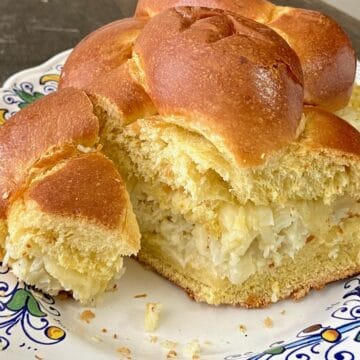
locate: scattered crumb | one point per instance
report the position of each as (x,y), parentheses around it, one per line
(169,345)
(153,339)
(283,312)
(152,316)
(262,155)
(87,316)
(115,336)
(85,149)
(99,147)
(268,322)
(171,354)
(5,195)
(242,328)
(28,246)
(96,339)
(140,296)
(123,350)
(193,349)
(37,357)
(104,330)
(114,288)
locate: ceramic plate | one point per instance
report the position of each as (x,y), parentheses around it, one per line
(324,325)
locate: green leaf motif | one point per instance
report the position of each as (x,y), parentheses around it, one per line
(275,351)
(27,98)
(24,299)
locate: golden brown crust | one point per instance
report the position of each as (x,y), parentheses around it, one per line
(326,54)
(87,186)
(120,89)
(213,67)
(65,117)
(100,52)
(326,131)
(259,10)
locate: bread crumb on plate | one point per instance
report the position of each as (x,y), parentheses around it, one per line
(171,354)
(268,322)
(152,316)
(87,316)
(242,328)
(97,339)
(63,295)
(192,349)
(140,296)
(153,339)
(126,352)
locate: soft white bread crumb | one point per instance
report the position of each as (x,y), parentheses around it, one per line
(192,349)
(152,316)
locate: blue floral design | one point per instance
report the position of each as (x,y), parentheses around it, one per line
(20,305)
(322,342)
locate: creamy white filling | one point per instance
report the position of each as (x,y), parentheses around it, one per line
(47,275)
(251,237)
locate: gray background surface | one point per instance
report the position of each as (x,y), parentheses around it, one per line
(31,31)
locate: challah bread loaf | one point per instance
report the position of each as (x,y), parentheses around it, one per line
(101,51)
(326,55)
(240,199)
(65,211)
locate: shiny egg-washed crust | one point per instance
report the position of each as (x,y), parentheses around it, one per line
(259,10)
(225,75)
(327,57)
(326,54)
(52,123)
(123,94)
(87,186)
(327,132)
(100,52)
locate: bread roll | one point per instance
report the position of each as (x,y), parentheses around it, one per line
(101,51)
(327,57)
(65,212)
(240,198)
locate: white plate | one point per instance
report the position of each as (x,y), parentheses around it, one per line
(325,325)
